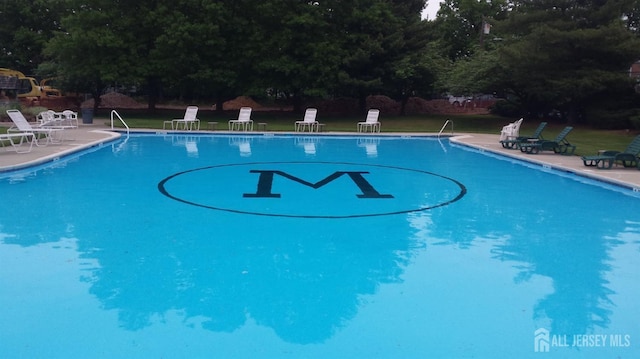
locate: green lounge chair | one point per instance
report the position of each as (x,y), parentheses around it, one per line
(559,145)
(515,143)
(606,159)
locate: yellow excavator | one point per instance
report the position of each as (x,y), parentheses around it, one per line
(26,87)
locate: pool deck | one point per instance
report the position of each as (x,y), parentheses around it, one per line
(90,135)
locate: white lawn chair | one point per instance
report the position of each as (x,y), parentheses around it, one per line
(243,121)
(52,119)
(511,131)
(70,118)
(371,123)
(189,122)
(21,125)
(309,121)
(11,138)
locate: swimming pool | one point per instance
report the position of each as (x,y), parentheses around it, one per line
(318,247)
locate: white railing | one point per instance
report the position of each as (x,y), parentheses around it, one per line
(447,122)
(115,114)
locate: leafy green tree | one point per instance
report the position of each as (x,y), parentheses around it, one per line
(299,52)
(373,36)
(221,49)
(566,55)
(25,28)
(415,67)
(459,25)
(91,47)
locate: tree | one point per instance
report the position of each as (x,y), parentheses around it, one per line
(459,24)
(299,52)
(416,66)
(91,47)
(25,28)
(225,48)
(566,54)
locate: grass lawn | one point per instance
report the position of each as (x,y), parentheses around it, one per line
(587,140)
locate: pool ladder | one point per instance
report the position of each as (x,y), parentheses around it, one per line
(447,122)
(114,114)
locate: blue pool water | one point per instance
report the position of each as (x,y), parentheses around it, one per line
(314,247)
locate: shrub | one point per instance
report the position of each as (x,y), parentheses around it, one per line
(505,108)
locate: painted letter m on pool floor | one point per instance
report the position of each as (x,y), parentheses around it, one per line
(265,183)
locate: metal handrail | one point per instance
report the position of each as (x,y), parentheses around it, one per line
(113,112)
(448,121)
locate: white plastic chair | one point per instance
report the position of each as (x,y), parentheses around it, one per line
(16,140)
(511,131)
(243,121)
(70,117)
(309,121)
(189,122)
(21,125)
(371,123)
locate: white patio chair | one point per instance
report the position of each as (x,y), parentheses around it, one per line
(70,117)
(511,131)
(243,121)
(371,123)
(16,140)
(21,125)
(189,122)
(309,121)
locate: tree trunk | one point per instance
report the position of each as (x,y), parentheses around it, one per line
(297,102)
(219,104)
(153,91)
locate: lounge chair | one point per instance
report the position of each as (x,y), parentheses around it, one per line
(511,131)
(16,145)
(243,121)
(606,159)
(309,121)
(515,143)
(189,122)
(21,125)
(559,145)
(371,122)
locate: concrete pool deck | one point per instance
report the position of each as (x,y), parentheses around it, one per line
(90,135)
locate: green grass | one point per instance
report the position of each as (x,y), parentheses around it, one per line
(587,140)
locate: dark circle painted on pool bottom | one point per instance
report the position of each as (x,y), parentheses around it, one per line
(162,187)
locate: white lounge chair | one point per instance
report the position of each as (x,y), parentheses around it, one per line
(371,123)
(243,121)
(309,121)
(11,138)
(21,125)
(511,131)
(189,122)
